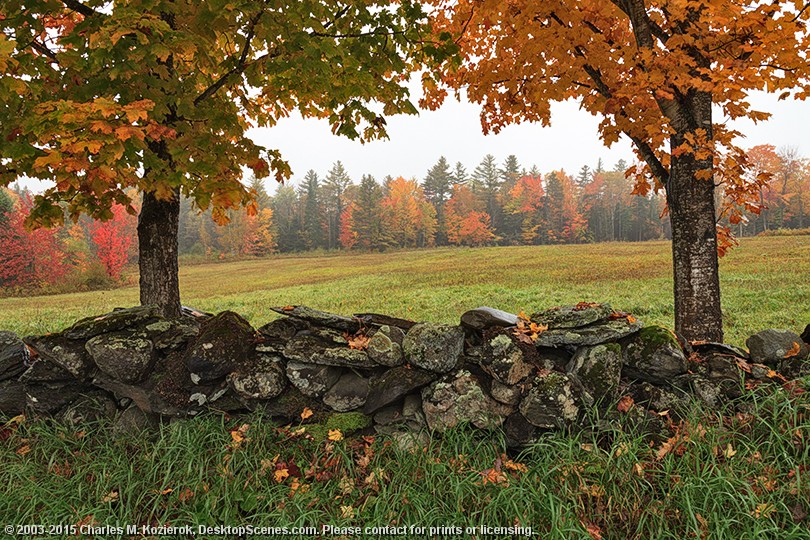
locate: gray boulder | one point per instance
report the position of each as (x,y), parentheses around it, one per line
(12,398)
(13,356)
(654,355)
(458,399)
(348,393)
(552,402)
(576,316)
(115,321)
(599,369)
(594,334)
(505,358)
(314,350)
(263,379)
(385,346)
(504,393)
(169,335)
(320,318)
(124,356)
(224,342)
(312,380)
(393,385)
(435,347)
(68,354)
(484,318)
(771,347)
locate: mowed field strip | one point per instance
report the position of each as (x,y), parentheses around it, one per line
(765,284)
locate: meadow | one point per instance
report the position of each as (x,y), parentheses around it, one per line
(764,285)
(713,474)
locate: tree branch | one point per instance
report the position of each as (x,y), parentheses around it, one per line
(78,7)
(43,50)
(241,63)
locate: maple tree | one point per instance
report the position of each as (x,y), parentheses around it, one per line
(112,239)
(159,95)
(466,223)
(653,71)
(28,258)
(409,217)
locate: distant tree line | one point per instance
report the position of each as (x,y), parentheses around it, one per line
(494,204)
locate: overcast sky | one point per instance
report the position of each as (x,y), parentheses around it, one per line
(454,131)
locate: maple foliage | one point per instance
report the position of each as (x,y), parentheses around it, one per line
(28,258)
(409,217)
(112,239)
(466,224)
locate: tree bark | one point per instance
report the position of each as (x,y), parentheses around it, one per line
(698,316)
(158,227)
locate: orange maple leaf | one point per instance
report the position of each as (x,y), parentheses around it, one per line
(795,350)
(357,341)
(306,413)
(625,404)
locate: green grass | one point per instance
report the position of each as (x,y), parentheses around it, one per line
(742,476)
(764,284)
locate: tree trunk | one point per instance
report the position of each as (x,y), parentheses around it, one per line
(158,225)
(698,316)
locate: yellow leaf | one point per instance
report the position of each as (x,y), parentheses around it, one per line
(21,451)
(280,475)
(729,452)
(796,349)
(306,413)
(335,435)
(346,512)
(112,496)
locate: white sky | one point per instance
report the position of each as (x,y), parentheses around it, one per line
(416,142)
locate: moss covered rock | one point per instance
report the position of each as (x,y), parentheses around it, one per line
(225,341)
(435,347)
(654,355)
(599,369)
(459,399)
(552,402)
(124,356)
(573,316)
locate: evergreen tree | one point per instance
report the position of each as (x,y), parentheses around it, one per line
(486,183)
(262,197)
(437,186)
(584,176)
(620,166)
(337,180)
(459,174)
(6,205)
(287,220)
(312,214)
(510,171)
(367,215)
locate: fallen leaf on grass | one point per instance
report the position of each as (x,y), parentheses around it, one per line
(306,413)
(667,447)
(110,497)
(625,404)
(593,531)
(729,451)
(335,435)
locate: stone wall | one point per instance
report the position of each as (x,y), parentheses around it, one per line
(493,370)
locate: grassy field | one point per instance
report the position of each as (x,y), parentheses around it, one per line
(712,475)
(764,282)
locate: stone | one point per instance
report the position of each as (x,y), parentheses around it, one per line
(313,350)
(377,319)
(385,346)
(224,342)
(551,403)
(710,347)
(599,369)
(582,314)
(435,347)
(281,330)
(504,393)
(111,322)
(705,390)
(484,318)
(393,385)
(593,334)
(288,405)
(459,398)
(771,346)
(43,370)
(412,411)
(504,358)
(806,334)
(657,398)
(124,356)
(48,398)
(348,393)
(87,409)
(518,431)
(263,380)
(320,318)
(654,355)
(13,356)
(68,354)
(12,398)
(133,421)
(724,371)
(169,335)
(392,414)
(312,380)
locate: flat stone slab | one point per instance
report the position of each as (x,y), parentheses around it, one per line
(312,350)
(322,318)
(111,322)
(593,334)
(483,318)
(395,384)
(582,314)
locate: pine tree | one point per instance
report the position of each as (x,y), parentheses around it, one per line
(313,212)
(486,184)
(337,180)
(260,193)
(287,220)
(368,226)
(460,174)
(437,185)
